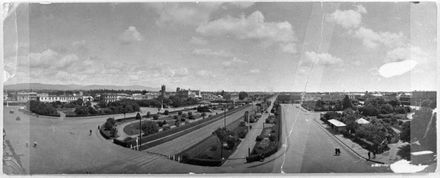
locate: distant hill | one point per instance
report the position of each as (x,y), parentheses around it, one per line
(40,86)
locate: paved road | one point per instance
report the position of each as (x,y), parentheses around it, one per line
(309,148)
(186,141)
(65,146)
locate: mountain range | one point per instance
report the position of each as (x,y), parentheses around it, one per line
(41,86)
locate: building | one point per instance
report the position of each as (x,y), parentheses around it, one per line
(189,93)
(109,97)
(26,96)
(337,125)
(63,99)
(211,97)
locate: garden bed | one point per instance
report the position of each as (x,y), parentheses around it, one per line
(210,151)
(167,135)
(268,142)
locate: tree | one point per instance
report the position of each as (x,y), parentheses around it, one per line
(405,135)
(426,103)
(88,104)
(148,114)
(166,112)
(179,113)
(155,117)
(102,104)
(242,95)
(109,124)
(203,115)
(346,103)
(386,108)
(149,128)
(369,110)
(81,111)
(79,102)
(138,116)
(246,116)
(144,92)
(190,115)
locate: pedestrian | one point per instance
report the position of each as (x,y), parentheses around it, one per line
(369,154)
(374,154)
(336,151)
(99,127)
(90,132)
(339,151)
(35,144)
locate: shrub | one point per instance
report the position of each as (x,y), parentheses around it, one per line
(166,112)
(259,138)
(273,138)
(18,118)
(148,114)
(179,113)
(155,117)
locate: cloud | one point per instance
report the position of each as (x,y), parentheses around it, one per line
(234,61)
(372,39)
(205,74)
(211,53)
(184,13)
(252,27)
(396,68)
(414,53)
(352,21)
(321,58)
(190,13)
(289,48)
(254,71)
(198,41)
(241,4)
(130,35)
(348,19)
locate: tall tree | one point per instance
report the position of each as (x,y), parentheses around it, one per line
(346,103)
(242,95)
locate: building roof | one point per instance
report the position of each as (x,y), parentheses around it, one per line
(362,121)
(336,123)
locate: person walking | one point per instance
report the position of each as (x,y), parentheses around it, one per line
(90,133)
(336,151)
(35,144)
(369,155)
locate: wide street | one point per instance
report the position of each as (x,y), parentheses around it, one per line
(309,148)
(65,146)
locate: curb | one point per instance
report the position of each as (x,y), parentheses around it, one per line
(351,149)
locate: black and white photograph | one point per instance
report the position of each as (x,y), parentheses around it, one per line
(213,87)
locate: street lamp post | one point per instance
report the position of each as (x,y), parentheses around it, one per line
(224,119)
(140,131)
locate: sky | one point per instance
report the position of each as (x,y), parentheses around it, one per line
(212,46)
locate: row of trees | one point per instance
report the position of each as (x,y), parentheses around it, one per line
(42,108)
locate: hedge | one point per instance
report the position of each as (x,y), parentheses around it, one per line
(202,162)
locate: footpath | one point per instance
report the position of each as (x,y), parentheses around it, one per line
(387,157)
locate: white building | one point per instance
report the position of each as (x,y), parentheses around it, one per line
(63,99)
